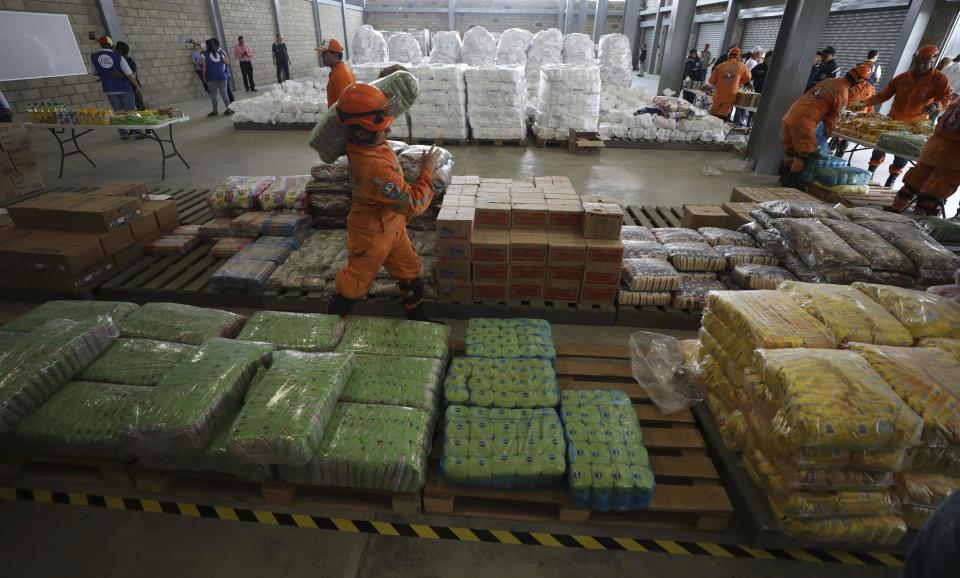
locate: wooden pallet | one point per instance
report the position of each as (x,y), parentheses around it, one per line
(618,143)
(762,194)
(552,311)
(550,142)
(655,317)
(876,197)
(653,216)
(499,142)
(21,467)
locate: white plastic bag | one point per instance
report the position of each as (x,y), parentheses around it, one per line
(479,47)
(446,48)
(513,46)
(368,46)
(658,366)
(578,49)
(403,47)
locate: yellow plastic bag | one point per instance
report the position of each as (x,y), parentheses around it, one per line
(923,314)
(951,346)
(882,530)
(924,489)
(768,319)
(730,422)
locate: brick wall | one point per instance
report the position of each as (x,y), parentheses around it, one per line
(299,34)
(254,20)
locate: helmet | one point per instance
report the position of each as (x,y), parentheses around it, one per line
(365,106)
(928,51)
(105,41)
(734,52)
(862,71)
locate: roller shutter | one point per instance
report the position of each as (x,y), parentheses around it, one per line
(852,34)
(760,32)
(710,33)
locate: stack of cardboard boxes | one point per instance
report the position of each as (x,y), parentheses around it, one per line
(72,242)
(19,174)
(602,221)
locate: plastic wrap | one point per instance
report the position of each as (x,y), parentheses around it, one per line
(403,47)
(569,98)
(884,529)
(399,381)
(195,400)
(228,247)
(285,415)
(729,422)
(609,465)
(650,275)
(750,276)
(635,233)
(921,248)
(513,46)
(507,383)
(367,45)
(677,235)
(373,447)
(441,110)
(905,144)
(546,47)
(658,366)
(644,298)
(509,338)
(715,236)
(578,49)
(255,252)
(800,209)
(502,448)
(925,490)
(692,293)
(299,331)
(317,261)
(236,195)
(215,229)
(951,346)
(285,193)
(736,255)
(644,250)
(496,97)
(446,47)
(768,319)
(377,336)
(410,159)
(141,362)
(672,107)
(291,102)
(818,246)
(479,47)
(616,68)
(942,230)
(243,274)
(180,323)
(72,310)
(695,257)
(752,229)
(172,245)
(858,214)
(924,314)
(249,225)
(881,254)
(842,176)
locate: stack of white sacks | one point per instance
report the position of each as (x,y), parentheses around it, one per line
(367,73)
(616,70)
(513,47)
(441,110)
(569,98)
(546,47)
(620,121)
(446,47)
(479,47)
(496,97)
(578,49)
(368,46)
(403,47)
(287,103)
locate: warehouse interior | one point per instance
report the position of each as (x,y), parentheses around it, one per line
(109,512)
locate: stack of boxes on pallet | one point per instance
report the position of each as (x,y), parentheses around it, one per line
(506,240)
(19,174)
(72,242)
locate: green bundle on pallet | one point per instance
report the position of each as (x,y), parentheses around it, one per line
(508,383)
(180,323)
(73,310)
(377,336)
(299,331)
(391,380)
(137,362)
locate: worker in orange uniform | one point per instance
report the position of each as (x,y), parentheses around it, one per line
(859,93)
(916,93)
(822,103)
(331,53)
(383,203)
(936,175)
(727,77)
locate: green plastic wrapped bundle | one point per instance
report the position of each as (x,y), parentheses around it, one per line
(73,310)
(509,383)
(609,465)
(400,381)
(375,447)
(137,362)
(510,338)
(299,331)
(378,336)
(502,448)
(180,323)
(283,419)
(84,419)
(195,400)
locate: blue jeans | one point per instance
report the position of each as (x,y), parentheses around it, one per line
(124,102)
(218,86)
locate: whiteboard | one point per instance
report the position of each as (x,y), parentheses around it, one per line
(37,45)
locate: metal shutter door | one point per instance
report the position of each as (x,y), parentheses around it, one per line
(760,32)
(852,34)
(710,33)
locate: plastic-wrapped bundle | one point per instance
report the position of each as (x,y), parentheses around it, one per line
(289,103)
(249,225)
(330,176)
(502,448)
(644,250)
(942,230)
(848,313)
(569,97)
(883,529)
(236,195)
(881,254)
(905,144)
(393,380)
(698,275)
(659,365)
(298,331)
(370,446)
(509,383)
(751,276)
(368,45)
(284,416)
(228,247)
(253,252)
(729,421)
(768,319)
(172,245)
(546,47)
(609,465)
(285,193)
(951,346)
(180,323)
(446,47)
(315,262)
(924,314)
(243,274)
(377,336)
(409,161)
(934,261)
(692,293)
(715,236)
(842,175)
(616,69)
(510,338)
(513,46)
(284,225)
(479,47)
(141,362)
(441,110)
(215,229)
(677,235)
(84,419)
(800,210)
(920,493)
(736,255)
(817,245)
(197,398)
(644,298)
(858,214)
(578,49)
(72,310)
(495,97)
(650,275)
(403,47)
(635,233)
(695,257)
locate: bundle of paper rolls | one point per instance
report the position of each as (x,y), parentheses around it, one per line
(496,97)
(546,47)
(569,98)
(441,110)
(367,45)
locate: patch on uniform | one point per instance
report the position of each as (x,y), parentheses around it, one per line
(817,93)
(728,75)
(390,191)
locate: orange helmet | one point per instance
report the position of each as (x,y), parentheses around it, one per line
(862,71)
(365,106)
(927,51)
(734,52)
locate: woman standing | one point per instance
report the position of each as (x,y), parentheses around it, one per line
(214,71)
(197,58)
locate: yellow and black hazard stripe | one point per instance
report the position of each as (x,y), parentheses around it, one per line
(433,532)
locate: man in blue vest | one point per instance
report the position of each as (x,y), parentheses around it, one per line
(117,80)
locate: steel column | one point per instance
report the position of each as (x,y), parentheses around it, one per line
(730,20)
(316,28)
(800,32)
(908,41)
(568,17)
(220,35)
(600,20)
(675,52)
(343,20)
(278,16)
(451,14)
(560,6)
(111,21)
(582,17)
(655,42)
(631,27)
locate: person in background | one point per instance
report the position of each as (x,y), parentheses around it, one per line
(382,204)
(822,103)
(643,59)
(244,55)
(936,175)
(706,59)
(754,58)
(123,49)
(727,78)
(197,59)
(858,93)
(116,79)
(759,72)
(944,62)
(6,115)
(281,59)
(828,67)
(215,75)
(952,72)
(915,93)
(331,52)
(873,56)
(692,70)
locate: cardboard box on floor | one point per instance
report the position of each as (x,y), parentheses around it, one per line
(491,246)
(51,251)
(165,212)
(602,220)
(19,174)
(696,216)
(136,189)
(76,212)
(455,223)
(57,282)
(738,213)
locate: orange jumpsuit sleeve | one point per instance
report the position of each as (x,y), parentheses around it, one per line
(713,77)
(942,95)
(393,191)
(833,113)
(887,93)
(340,78)
(746,76)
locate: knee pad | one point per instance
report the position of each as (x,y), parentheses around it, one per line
(413,292)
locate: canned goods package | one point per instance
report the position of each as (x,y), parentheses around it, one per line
(507,383)
(510,338)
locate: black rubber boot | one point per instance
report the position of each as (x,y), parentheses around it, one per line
(418,314)
(341,305)
(891,180)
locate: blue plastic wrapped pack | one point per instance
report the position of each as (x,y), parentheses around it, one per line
(609,465)
(510,338)
(285,224)
(502,448)
(841,175)
(507,383)
(243,274)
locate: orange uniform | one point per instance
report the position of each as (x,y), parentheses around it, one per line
(862,92)
(823,102)
(340,77)
(727,77)
(911,94)
(383,202)
(937,173)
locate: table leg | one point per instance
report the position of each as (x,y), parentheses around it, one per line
(74,138)
(163,150)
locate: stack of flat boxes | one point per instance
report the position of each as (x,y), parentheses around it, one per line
(602,221)
(455,232)
(19,174)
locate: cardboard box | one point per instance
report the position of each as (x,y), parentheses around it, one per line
(528,272)
(455,223)
(500,197)
(58,282)
(491,246)
(601,277)
(451,250)
(17,161)
(166,213)
(525,291)
(591,294)
(136,189)
(566,249)
(42,250)
(453,270)
(76,212)
(696,216)
(564,275)
(465,180)
(492,215)
(528,246)
(491,273)
(28,182)
(459,291)
(529,216)
(738,213)
(562,294)
(145,226)
(489,292)
(602,220)
(762,194)
(116,240)
(495,181)
(13,136)
(526,196)
(604,251)
(565,215)
(126,257)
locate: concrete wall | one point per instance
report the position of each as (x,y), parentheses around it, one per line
(254,20)
(331,25)
(301,39)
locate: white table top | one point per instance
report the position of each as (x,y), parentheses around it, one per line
(110,126)
(872,145)
(746,108)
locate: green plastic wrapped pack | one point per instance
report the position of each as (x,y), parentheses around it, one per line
(609,465)
(502,448)
(180,323)
(195,399)
(509,383)
(283,419)
(137,362)
(73,310)
(510,338)
(390,380)
(84,419)
(34,365)
(378,336)
(375,447)
(299,331)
